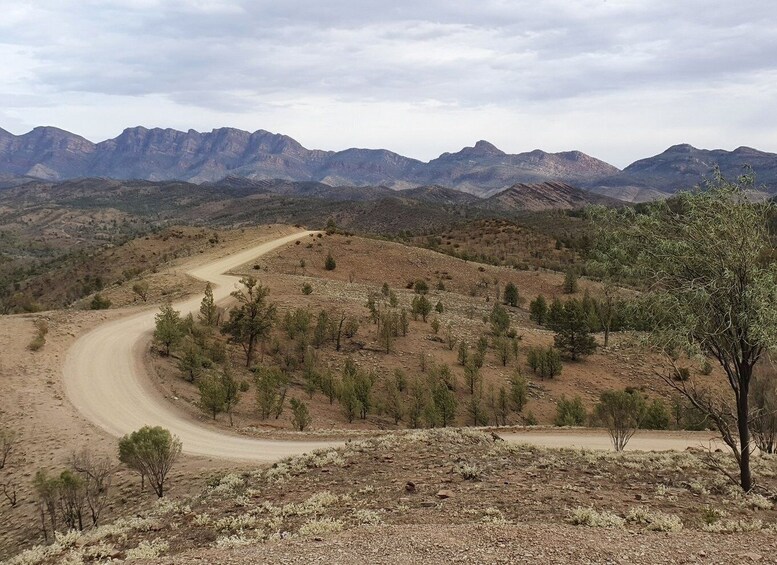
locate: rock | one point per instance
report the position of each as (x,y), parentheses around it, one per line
(428,504)
(752,556)
(445,493)
(410,486)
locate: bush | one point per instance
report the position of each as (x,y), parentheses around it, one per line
(570,282)
(570,412)
(99,302)
(621,412)
(307,289)
(420,287)
(300,415)
(510,296)
(656,416)
(330,264)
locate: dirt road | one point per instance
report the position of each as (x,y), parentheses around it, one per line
(105,377)
(105,380)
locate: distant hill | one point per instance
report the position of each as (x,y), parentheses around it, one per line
(682,167)
(543,196)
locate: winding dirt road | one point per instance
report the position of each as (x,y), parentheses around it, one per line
(105,378)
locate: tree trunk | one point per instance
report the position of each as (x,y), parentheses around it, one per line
(746,479)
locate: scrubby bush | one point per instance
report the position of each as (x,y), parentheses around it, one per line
(300,415)
(329,263)
(570,412)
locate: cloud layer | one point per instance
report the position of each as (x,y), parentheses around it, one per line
(620,79)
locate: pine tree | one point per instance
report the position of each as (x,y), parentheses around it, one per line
(208,307)
(573,336)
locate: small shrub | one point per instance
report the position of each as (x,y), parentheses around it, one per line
(587,516)
(330,264)
(654,520)
(99,302)
(307,289)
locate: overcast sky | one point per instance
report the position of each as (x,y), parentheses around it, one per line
(617,79)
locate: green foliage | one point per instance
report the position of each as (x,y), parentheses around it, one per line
(538,310)
(251,320)
(656,416)
(297,322)
(444,404)
(99,302)
(510,295)
(271,387)
(500,319)
(503,348)
(191,361)
(300,415)
(168,329)
(417,403)
(421,306)
(435,323)
(307,289)
(439,308)
(472,376)
(330,264)
(702,259)
(570,412)
(208,311)
(519,391)
(151,452)
(570,285)
(463,355)
(476,412)
(546,363)
(573,336)
(621,412)
(212,397)
(420,287)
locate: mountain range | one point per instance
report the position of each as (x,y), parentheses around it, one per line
(482,170)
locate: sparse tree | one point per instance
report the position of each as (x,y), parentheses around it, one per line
(208,311)
(250,322)
(392,403)
(191,361)
(472,376)
(538,310)
(463,355)
(416,404)
(9,439)
(271,387)
(519,391)
(422,306)
(621,412)
(573,335)
(141,289)
(300,415)
(710,289)
(476,412)
(212,398)
(510,295)
(444,402)
(500,319)
(152,452)
(570,281)
(502,409)
(570,412)
(97,475)
(330,264)
(168,330)
(503,350)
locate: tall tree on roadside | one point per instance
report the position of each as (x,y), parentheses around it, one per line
(251,320)
(208,311)
(710,286)
(168,330)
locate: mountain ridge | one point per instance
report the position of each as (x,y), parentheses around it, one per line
(163,154)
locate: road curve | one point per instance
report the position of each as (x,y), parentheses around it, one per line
(105,379)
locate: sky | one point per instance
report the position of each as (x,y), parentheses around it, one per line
(617,79)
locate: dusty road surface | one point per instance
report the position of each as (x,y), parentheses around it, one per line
(105,377)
